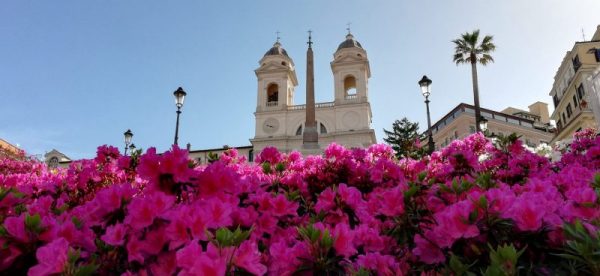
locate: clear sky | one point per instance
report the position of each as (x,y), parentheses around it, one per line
(76,74)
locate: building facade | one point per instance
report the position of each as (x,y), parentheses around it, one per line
(569,91)
(592,84)
(55,159)
(203,156)
(346,120)
(533,125)
(8,150)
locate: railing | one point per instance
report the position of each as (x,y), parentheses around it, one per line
(272,104)
(318,105)
(351,97)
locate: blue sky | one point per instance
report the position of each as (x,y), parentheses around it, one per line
(76,74)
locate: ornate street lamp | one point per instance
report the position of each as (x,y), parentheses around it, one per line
(425,84)
(483,124)
(132,148)
(179,98)
(128,135)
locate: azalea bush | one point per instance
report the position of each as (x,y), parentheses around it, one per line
(474,207)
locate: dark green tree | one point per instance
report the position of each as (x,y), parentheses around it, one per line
(405,139)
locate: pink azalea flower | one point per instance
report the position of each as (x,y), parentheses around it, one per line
(350,195)
(269,154)
(326,200)
(15,226)
(526,214)
(52,258)
(143,210)
(248,257)
(427,251)
(343,240)
(115,235)
(218,213)
(282,207)
(382,264)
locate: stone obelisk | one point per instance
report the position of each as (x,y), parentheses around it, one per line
(310,138)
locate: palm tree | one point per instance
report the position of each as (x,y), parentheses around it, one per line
(468,50)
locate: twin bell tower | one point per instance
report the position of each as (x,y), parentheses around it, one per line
(310,127)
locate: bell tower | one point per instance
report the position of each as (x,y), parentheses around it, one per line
(276,78)
(351,72)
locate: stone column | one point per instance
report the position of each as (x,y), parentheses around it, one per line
(310,138)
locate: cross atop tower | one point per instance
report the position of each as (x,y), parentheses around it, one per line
(348,27)
(309,38)
(277,32)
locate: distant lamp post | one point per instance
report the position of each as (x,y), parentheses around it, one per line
(179,98)
(425,84)
(483,124)
(128,135)
(132,148)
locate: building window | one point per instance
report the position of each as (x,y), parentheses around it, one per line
(580,92)
(597,54)
(455,134)
(569,110)
(555,100)
(323,129)
(272,94)
(350,86)
(564,117)
(559,124)
(53,162)
(299,131)
(575,100)
(576,63)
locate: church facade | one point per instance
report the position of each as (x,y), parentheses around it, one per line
(346,120)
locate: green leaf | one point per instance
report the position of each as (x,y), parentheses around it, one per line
(224,237)
(473,215)
(86,270)
(266,167)
(73,256)
(483,203)
(17,194)
(77,222)
(422,176)
(33,223)
(280,167)
(411,191)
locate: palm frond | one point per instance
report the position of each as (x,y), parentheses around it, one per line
(458,58)
(485,59)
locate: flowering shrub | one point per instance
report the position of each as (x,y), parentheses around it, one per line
(473,207)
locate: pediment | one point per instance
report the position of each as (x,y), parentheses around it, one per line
(349,58)
(272,67)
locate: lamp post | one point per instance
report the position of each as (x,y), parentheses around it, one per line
(128,135)
(483,124)
(132,147)
(425,84)
(179,98)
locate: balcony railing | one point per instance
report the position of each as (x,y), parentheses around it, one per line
(318,105)
(351,97)
(271,104)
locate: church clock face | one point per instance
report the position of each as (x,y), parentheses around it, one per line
(271,125)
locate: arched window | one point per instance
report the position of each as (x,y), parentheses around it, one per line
(53,163)
(350,86)
(272,94)
(299,131)
(323,129)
